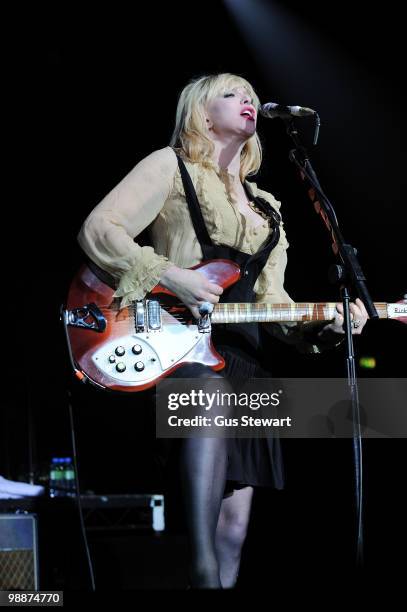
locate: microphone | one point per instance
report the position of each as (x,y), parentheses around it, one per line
(272,110)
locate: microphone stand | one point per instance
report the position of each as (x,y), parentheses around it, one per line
(346,274)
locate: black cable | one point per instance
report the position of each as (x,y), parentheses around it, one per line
(63,317)
(78,496)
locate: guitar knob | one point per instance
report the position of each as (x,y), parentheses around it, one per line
(137,349)
(112,358)
(120,367)
(139,366)
(120,351)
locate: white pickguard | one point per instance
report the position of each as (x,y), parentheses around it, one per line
(161,350)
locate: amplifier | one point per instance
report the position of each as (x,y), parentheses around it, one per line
(18,552)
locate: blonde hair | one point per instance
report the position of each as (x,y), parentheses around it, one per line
(190,133)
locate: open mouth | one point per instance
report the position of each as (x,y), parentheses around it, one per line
(248,114)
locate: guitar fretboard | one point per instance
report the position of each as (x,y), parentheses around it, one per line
(262,313)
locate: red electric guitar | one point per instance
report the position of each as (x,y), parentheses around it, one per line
(133,348)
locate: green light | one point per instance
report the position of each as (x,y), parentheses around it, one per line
(369,363)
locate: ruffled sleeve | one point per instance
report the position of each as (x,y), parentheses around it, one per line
(107,236)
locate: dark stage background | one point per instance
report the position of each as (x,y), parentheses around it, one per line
(101,88)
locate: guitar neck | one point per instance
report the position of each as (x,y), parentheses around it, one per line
(282,313)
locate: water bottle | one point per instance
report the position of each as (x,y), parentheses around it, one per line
(56,476)
(70,485)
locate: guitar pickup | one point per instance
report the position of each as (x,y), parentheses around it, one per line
(139,318)
(153,310)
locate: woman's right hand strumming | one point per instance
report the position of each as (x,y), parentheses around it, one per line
(192,287)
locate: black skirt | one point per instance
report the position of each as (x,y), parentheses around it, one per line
(255,462)
(251,461)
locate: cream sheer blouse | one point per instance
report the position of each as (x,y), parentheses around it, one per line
(152,195)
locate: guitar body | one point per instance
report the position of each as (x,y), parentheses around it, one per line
(118,354)
(133,348)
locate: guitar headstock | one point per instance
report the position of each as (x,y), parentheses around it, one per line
(398,311)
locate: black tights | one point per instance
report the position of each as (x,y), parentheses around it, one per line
(203,473)
(216,526)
